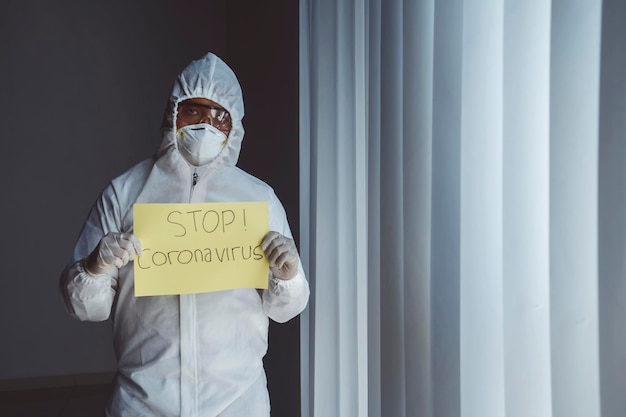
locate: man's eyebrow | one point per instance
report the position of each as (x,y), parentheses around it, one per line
(206,106)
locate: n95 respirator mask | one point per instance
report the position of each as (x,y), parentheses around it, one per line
(201,143)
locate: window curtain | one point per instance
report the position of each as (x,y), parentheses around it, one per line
(463,207)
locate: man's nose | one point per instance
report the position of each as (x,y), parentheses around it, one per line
(207,118)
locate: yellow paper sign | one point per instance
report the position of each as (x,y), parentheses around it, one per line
(194,248)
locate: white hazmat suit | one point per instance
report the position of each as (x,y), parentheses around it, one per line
(196,354)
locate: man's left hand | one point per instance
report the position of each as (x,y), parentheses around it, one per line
(282,255)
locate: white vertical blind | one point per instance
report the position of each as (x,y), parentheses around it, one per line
(526,208)
(446,215)
(450,225)
(574,114)
(393,371)
(482,365)
(417,75)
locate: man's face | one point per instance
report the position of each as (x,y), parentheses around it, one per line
(201,110)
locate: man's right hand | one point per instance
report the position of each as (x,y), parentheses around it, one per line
(113,251)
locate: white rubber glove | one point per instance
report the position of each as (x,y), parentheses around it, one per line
(114,251)
(282,255)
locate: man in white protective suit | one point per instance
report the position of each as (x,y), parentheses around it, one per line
(185,355)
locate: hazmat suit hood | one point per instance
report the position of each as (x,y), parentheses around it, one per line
(211,78)
(172,179)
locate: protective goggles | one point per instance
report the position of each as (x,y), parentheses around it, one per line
(193,114)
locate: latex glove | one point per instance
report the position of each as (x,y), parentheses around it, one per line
(113,251)
(282,255)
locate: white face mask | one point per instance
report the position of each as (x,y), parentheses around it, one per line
(200,143)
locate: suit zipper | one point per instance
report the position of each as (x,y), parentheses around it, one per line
(194,181)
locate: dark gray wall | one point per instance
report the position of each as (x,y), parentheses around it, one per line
(611,209)
(84,85)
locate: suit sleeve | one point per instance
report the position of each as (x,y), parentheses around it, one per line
(87,298)
(283,300)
